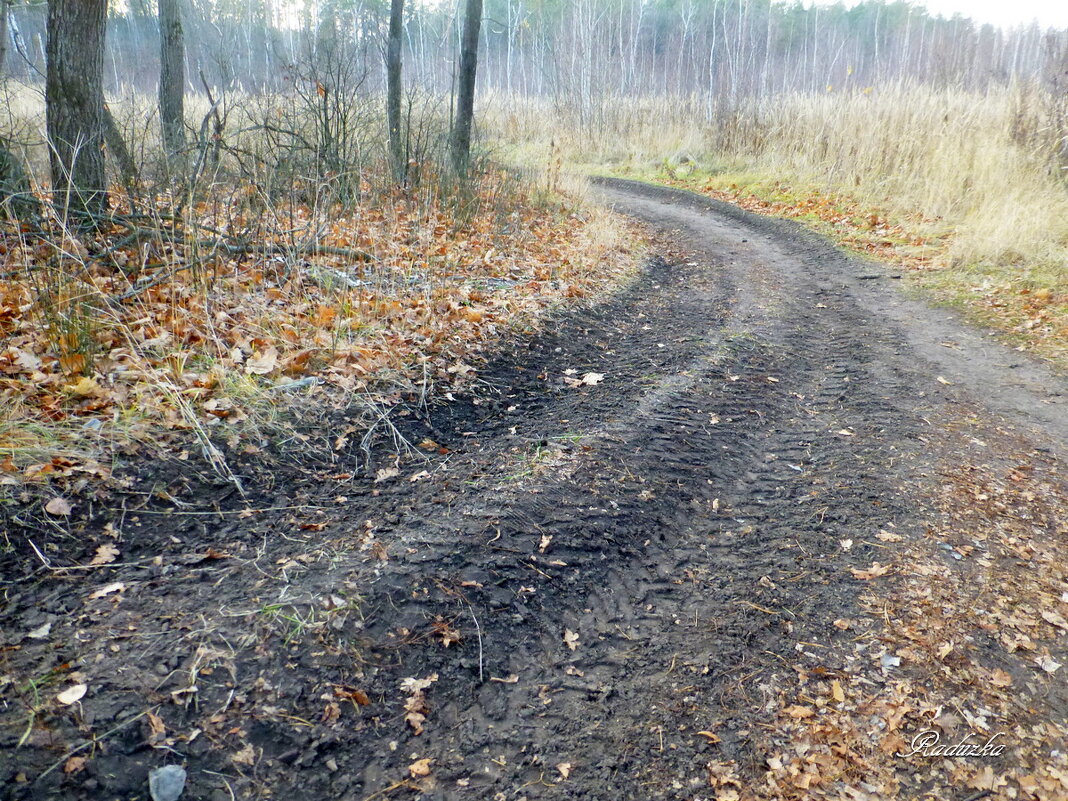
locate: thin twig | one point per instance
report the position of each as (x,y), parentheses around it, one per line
(478,631)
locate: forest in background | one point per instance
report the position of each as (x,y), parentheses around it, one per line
(572,52)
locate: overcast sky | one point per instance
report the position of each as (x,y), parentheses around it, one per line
(1053,13)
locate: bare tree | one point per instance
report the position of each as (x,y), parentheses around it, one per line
(171,76)
(393,89)
(74,99)
(465,91)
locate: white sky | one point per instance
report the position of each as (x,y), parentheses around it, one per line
(1049,13)
(1053,13)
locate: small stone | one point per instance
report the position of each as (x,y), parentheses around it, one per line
(331,765)
(166,783)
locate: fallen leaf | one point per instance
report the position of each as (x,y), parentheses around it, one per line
(1054,619)
(1048,664)
(413,685)
(262,362)
(837,692)
(571,639)
(421,767)
(246,756)
(887,536)
(105,554)
(874,571)
(72,694)
(85,387)
(799,712)
(41,632)
(74,764)
(565,769)
(107,589)
(155,725)
(942,380)
(59,507)
(385,474)
(592,379)
(1000,678)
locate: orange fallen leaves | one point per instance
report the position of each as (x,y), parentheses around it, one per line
(441,289)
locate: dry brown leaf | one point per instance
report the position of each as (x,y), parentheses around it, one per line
(837,692)
(155,724)
(565,770)
(571,639)
(1000,678)
(799,712)
(874,571)
(262,362)
(419,768)
(59,507)
(246,756)
(105,554)
(1054,619)
(385,474)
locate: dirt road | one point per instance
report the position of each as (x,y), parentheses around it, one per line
(628,544)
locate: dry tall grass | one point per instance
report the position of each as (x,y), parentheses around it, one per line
(985,164)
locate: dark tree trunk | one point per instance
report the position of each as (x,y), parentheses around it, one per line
(465,91)
(171,76)
(393,90)
(17,200)
(74,99)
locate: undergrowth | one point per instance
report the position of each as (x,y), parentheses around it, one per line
(208,327)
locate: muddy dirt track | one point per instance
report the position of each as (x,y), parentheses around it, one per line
(588,573)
